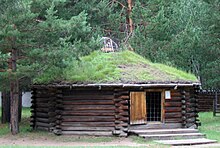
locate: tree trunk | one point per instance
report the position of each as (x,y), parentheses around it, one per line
(130,22)
(14,88)
(20,106)
(14,107)
(5,107)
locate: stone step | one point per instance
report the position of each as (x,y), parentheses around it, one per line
(187,141)
(173,136)
(163,131)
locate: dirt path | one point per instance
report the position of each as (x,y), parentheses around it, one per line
(48,142)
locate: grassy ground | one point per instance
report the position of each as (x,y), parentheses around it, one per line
(210,125)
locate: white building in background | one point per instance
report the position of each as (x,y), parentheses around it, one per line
(26,99)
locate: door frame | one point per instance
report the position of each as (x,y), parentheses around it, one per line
(162,91)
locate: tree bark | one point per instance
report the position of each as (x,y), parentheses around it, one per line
(20,106)
(14,88)
(130,22)
(5,107)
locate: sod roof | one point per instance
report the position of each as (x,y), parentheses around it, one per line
(125,67)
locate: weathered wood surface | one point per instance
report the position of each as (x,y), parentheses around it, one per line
(138,107)
(85,111)
(205,100)
(43,109)
(122,112)
(173,108)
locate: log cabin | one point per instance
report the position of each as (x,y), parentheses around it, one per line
(141,94)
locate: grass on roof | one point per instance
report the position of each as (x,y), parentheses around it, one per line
(119,67)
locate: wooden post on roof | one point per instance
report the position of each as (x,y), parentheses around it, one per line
(129,20)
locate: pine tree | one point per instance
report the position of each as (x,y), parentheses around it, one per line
(38,45)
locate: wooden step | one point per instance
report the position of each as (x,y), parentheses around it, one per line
(163,131)
(173,136)
(187,141)
(156,126)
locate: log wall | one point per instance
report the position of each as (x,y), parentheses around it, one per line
(205,100)
(189,108)
(42,109)
(85,112)
(182,107)
(173,108)
(121,100)
(102,112)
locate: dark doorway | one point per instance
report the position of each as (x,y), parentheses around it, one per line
(153,100)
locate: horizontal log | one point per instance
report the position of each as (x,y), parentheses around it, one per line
(124,107)
(118,110)
(173,104)
(124,97)
(174,99)
(42,128)
(173,115)
(39,114)
(87,133)
(87,124)
(172,109)
(124,113)
(43,110)
(44,120)
(87,119)
(42,124)
(87,128)
(190,115)
(89,102)
(40,105)
(176,120)
(73,113)
(88,107)
(121,104)
(191,120)
(88,97)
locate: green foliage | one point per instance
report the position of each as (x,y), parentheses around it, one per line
(46,42)
(52,34)
(182,33)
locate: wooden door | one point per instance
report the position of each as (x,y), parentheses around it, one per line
(138,108)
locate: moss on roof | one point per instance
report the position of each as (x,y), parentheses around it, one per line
(121,67)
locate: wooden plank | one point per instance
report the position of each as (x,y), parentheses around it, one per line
(138,108)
